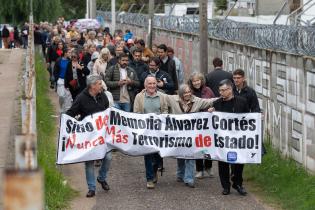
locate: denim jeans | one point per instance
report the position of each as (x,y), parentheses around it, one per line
(186,170)
(89,171)
(122,106)
(151,163)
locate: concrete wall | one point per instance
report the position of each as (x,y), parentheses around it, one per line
(270,7)
(285,85)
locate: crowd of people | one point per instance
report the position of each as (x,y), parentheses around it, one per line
(13,37)
(92,70)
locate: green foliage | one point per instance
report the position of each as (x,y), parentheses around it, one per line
(221,4)
(57,194)
(17,12)
(283,181)
(73,9)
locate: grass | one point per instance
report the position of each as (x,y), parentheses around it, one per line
(282,182)
(57,194)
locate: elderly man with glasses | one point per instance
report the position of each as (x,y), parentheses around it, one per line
(232,104)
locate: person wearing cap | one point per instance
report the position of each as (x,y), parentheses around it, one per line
(128,35)
(92,100)
(94,57)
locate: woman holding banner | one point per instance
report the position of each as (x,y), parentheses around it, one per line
(199,89)
(186,102)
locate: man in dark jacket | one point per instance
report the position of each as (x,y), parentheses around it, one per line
(123,83)
(164,81)
(92,100)
(216,76)
(241,89)
(232,104)
(6,37)
(137,64)
(167,64)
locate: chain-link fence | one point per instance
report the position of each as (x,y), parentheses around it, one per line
(293,39)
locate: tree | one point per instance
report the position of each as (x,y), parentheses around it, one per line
(17,12)
(221,4)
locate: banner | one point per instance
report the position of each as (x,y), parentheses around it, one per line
(228,137)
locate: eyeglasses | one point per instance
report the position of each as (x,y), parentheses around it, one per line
(223,90)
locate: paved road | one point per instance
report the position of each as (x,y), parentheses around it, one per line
(10,67)
(128,190)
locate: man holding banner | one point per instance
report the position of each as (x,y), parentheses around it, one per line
(232,104)
(151,101)
(91,100)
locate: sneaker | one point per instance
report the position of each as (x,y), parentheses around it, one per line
(209,172)
(191,185)
(90,194)
(150,185)
(199,175)
(240,189)
(179,179)
(104,184)
(226,191)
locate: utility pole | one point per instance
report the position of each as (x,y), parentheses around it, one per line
(150,25)
(87,15)
(203,36)
(93,9)
(113,16)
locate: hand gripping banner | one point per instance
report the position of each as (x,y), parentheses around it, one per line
(228,137)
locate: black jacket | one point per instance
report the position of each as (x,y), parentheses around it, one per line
(82,74)
(85,104)
(112,62)
(139,67)
(52,53)
(5,32)
(112,78)
(236,105)
(250,95)
(160,75)
(215,77)
(170,68)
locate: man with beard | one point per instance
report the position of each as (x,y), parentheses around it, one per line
(122,82)
(137,64)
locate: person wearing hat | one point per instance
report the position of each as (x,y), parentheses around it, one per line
(94,57)
(92,100)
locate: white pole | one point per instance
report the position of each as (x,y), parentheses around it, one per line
(113,16)
(87,9)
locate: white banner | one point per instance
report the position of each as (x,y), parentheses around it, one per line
(228,137)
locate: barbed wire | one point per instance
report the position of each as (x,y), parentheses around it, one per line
(293,39)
